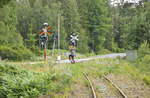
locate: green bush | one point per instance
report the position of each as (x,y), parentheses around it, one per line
(20,83)
(36,51)
(15,53)
(118,50)
(17,83)
(144,63)
(146,79)
(143,50)
(103,51)
(144,57)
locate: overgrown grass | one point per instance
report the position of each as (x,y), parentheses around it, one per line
(15,82)
(100,67)
(18,82)
(40,79)
(15,53)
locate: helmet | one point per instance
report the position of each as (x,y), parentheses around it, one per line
(45,24)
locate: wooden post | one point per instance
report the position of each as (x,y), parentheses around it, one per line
(45,55)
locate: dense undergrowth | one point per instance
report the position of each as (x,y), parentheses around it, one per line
(60,80)
(98,68)
(15,53)
(36,80)
(16,82)
(21,53)
(143,61)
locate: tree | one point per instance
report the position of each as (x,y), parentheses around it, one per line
(4,2)
(98,23)
(8,21)
(132,27)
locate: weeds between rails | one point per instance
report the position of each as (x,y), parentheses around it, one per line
(120,91)
(114,85)
(91,86)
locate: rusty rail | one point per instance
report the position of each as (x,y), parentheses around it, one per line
(91,86)
(120,91)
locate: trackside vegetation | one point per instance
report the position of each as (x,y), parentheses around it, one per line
(15,82)
(101,29)
(18,82)
(60,80)
(99,26)
(15,53)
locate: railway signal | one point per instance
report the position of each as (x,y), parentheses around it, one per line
(44,38)
(45,30)
(74,39)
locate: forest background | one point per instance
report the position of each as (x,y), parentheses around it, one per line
(100,26)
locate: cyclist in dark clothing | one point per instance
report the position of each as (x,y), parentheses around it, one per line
(72,48)
(72,55)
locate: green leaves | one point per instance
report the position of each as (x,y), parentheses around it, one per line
(91,20)
(98,23)
(131,26)
(15,82)
(4,2)
(14,52)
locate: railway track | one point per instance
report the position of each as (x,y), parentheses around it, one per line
(106,88)
(120,91)
(91,85)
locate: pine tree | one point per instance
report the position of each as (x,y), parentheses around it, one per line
(4,2)
(8,23)
(98,23)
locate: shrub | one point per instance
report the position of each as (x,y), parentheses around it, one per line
(17,83)
(15,53)
(144,57)
(103,51)
(146,79)
(143,50)
(144,63)
(36,51)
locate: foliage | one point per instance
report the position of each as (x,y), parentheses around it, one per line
(34,15)
(98,68)
(31,44)
(15,82)
(14,52)
(131,26)
(104,51)
(36,50)
(146,79)
(18,82)
(21,21)
(144,64)
(98,23)
(144,57)
(143,50)
(4,2)
(8,21)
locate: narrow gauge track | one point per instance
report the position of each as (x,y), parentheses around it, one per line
(91,85)
(120,91)
(122,95)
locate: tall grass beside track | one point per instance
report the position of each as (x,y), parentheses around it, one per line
(32,81)
(17,82)
(98,68)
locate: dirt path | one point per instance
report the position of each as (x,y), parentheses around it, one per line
(114,55)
